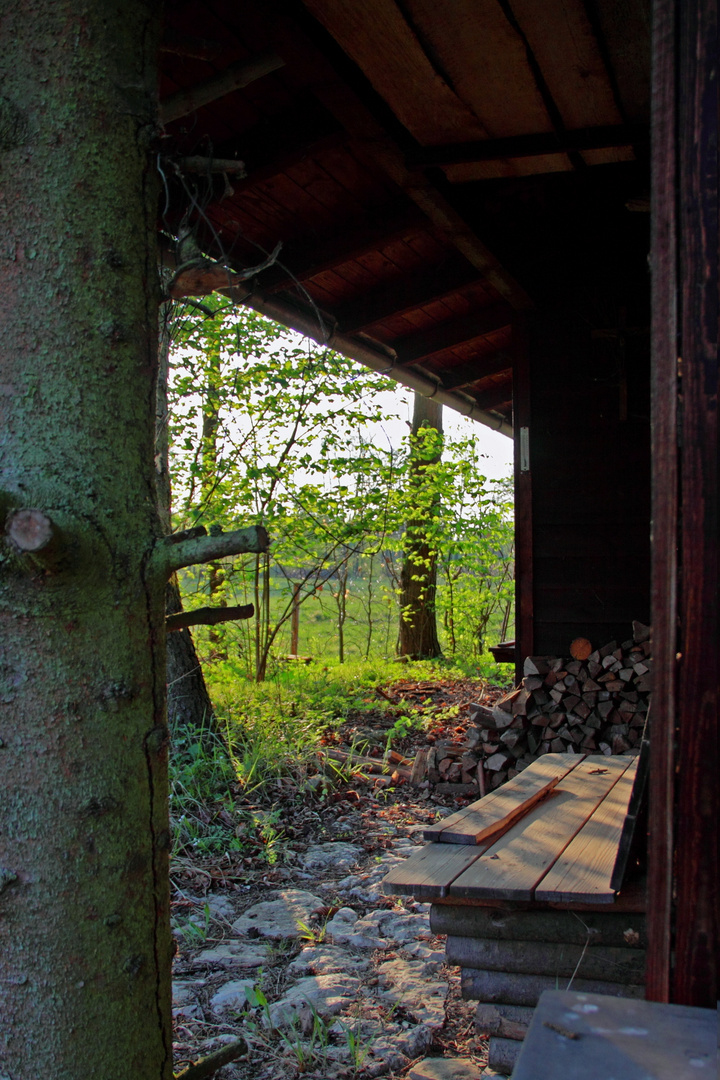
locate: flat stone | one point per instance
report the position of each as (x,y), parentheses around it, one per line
(324,960)
(337,855)
(342,921)
(220,907)
(405,984)
(445,1069)
(235,954)
(232,996)
(279,918)
(327,994)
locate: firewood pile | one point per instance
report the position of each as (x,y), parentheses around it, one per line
(594,701)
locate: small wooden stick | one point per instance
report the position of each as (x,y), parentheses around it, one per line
(210,1064)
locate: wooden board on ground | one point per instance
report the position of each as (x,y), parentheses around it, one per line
(429,873)
(584,870)
(631,1039)
(496,812)
(513,866)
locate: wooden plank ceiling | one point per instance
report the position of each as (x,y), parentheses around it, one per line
(388,148)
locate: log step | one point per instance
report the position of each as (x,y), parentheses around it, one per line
(501,987)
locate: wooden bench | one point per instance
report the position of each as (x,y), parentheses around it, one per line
(526,884)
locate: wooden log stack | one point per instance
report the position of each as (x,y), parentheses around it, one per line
(593,701)
(509,955)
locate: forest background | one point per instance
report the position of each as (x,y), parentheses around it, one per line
(266,428)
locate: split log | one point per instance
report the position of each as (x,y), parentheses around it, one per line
(503,1054)
(548,958)
(500,987)
(505,1021)
(617,930)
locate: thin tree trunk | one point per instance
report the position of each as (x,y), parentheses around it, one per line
(188,700)
(84,922)
(418,636)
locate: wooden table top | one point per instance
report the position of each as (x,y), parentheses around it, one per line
(551,835)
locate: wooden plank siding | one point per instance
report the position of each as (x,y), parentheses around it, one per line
(590,462)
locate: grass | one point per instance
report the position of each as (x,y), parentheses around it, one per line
(230,790)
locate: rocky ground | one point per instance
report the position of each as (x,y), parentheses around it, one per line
(308,960)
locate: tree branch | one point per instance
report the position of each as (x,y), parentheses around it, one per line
(208,616)
(209,1065)
(171,556)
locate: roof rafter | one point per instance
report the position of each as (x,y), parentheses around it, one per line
(523,146)
(479,368)
(446,335)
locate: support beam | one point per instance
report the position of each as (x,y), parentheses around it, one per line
(479,368)
(407,293)
(524,146)
(500,394)
(381,152)
(446,335)
(232,78)
(308,256)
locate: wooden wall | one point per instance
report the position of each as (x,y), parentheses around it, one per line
(587,409)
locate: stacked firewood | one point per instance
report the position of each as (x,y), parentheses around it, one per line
(594,701)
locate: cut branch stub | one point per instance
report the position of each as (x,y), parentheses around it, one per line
(172,556)
(208,616)
(29,531)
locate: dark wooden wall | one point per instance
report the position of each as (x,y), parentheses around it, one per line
(589,456)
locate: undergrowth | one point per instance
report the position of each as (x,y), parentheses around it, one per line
(231,784)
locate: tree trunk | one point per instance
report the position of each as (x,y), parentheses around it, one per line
(188,700)
(84,899)
(418,637)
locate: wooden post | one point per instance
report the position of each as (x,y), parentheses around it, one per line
(524,634)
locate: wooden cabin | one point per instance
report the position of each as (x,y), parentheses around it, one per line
(510,206)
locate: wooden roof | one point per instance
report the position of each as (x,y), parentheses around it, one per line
(431,168)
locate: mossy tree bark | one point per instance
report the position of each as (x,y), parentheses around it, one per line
(85,949)
(418,637)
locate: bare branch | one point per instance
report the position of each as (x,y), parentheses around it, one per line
(208,616)
(171,556)
(209,1065)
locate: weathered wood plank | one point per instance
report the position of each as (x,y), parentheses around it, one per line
(548,958)
(637,802)
(631,1039)
(515,864)
(503,987)
(584,870)
(496,812)
(428,874)
(502,924)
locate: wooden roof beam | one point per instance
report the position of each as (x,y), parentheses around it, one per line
(224,82)
(524,146)
(311,255)
(380,151)
(475,370)
(407,293)
(491,399)
(446,335)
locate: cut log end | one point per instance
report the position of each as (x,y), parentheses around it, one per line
(29,530)
(580,648)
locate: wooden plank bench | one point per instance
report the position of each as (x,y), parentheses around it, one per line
(525,884)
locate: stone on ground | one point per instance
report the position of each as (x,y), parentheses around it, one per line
(445,1069)
(405,984)
(235,954)
(324,960)
(326,994)
(232,996)
(277,919)
(333,856)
